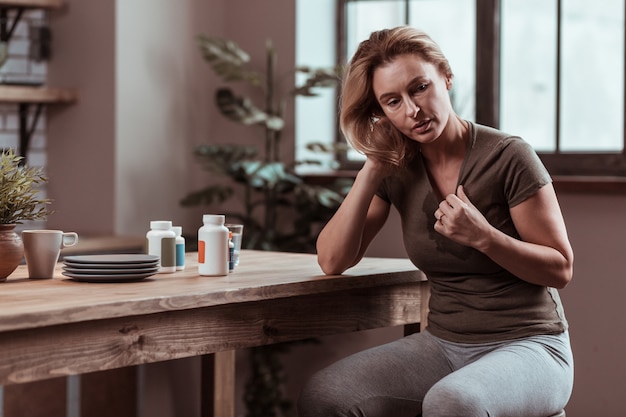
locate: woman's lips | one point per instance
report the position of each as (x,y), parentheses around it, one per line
(421,126)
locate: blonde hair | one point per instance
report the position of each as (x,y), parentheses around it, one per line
(362,120)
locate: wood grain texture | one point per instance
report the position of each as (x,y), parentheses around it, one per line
(261,275)
(34,95)
(58,327)
(224,377)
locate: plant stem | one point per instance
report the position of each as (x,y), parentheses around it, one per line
(269,101)
(271,142)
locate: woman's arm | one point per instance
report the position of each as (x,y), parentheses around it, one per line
(344,239)
(543,256)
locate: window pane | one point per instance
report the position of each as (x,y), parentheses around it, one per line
(452,24)
(592,62)
(315,116)
(528,71)
(364,17)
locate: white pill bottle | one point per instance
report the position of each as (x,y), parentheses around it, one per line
(213,246)
(161,242)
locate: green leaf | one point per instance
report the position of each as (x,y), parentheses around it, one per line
(223,159)
(321,147)
(227,59)
(242,110)
(271,175)
(19,193)
(318,77)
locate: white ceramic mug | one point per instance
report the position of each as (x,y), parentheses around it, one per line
(42,249)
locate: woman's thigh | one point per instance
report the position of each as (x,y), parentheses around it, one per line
(388,380)
(527,378)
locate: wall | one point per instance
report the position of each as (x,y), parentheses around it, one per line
(120,157)
(146,99)
(594,303)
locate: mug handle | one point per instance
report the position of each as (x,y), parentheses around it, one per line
(69,235)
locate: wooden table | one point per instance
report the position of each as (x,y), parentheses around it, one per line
(58,327)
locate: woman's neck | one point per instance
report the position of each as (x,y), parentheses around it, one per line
(451,145)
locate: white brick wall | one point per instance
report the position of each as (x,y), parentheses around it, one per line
(19,67)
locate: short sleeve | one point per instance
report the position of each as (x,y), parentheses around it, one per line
(524,172)
(382,191)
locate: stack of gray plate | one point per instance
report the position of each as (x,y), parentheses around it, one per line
(110,268)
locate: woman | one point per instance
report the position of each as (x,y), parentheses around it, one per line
(480,217)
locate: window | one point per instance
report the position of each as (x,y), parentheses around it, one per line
(551,71)
(562,81)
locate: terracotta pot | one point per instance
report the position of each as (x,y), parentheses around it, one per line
(11,250)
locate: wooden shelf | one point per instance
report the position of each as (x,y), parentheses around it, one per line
(39,4)
(35,95)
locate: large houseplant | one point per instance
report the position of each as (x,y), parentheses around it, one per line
(19,201)
(269,187)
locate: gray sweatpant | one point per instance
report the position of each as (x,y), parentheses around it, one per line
(420,373)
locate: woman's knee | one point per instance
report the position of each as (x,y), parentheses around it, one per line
(449,399)
(321,397)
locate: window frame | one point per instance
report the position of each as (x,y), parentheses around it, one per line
(487,100)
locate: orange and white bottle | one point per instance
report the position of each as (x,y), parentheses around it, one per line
(213,246)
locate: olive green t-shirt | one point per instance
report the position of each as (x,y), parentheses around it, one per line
(473,299)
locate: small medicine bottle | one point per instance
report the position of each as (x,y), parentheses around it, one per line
(180,248)
(213,246)
(161,242)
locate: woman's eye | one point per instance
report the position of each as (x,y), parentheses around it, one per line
(420,88)
(393,103)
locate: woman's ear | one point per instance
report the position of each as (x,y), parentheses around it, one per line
(449,82)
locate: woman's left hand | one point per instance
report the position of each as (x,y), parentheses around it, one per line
(459,220)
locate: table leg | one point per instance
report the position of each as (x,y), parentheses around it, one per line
(218,384)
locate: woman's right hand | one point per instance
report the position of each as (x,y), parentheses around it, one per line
(378,170)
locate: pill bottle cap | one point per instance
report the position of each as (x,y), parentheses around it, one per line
(160,225)
(213,219)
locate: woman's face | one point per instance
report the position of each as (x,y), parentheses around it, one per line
(414,96)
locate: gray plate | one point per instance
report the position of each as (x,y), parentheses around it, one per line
(118,271)
(108,277)
(115,259)
(123,266)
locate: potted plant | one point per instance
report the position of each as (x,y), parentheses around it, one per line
(271,189)
(19,201)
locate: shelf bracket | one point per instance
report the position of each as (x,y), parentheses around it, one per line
(26,132)
(5,31)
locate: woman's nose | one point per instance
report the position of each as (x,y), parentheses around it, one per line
(412,108)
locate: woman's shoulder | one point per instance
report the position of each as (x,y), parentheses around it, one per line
(484,132)
(492,138)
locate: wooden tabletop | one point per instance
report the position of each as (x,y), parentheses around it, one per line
(57,327)
(31,303)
